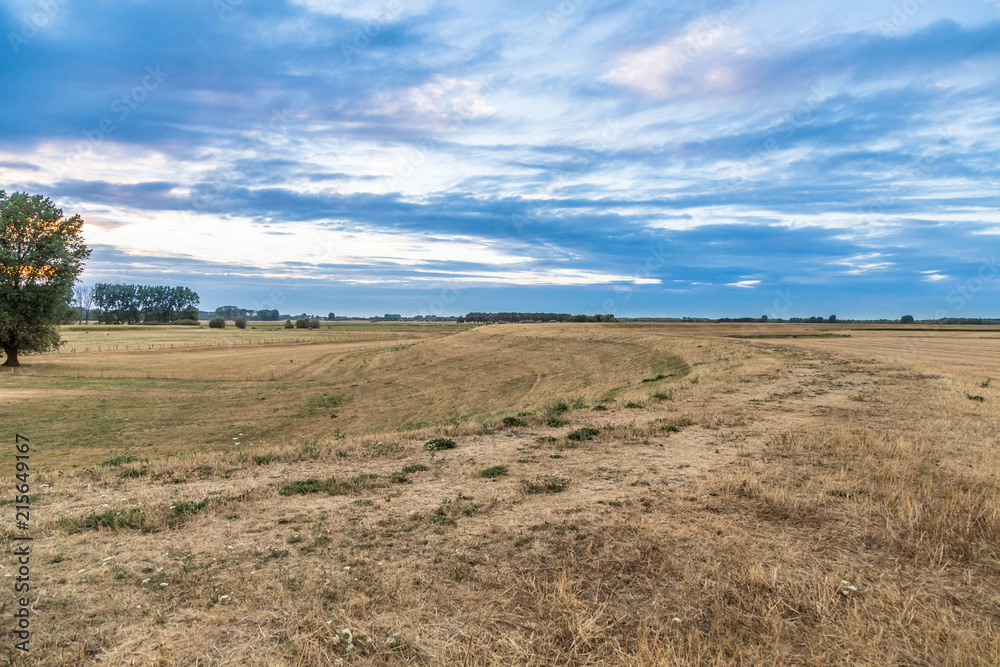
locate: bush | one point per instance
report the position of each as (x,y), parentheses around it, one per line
(241,323)
(302,323)
(493,471)
(217,322)
(314,323)
(188,323)
(513,421)
(439,443)
(289,325)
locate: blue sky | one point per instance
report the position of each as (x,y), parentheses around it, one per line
(641,158)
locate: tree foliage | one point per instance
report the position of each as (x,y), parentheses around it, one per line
(41,255)
(131,304)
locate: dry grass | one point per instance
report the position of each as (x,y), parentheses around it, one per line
(791,506)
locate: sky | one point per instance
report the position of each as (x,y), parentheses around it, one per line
(703,159)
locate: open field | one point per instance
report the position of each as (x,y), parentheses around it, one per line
(616,494)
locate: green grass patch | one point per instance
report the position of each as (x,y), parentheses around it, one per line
(493,471)
(122,460)
(511,422)
(333,486)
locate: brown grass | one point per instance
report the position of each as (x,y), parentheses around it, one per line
(793,506)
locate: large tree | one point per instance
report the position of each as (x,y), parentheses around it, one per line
(41,255)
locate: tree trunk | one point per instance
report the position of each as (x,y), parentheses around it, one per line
(11,353)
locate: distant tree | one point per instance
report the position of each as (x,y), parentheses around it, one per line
(268,315)
(41,255)
(241,322)
(331,316)
(217,322)
(83,297)
(302,322)
(833,318)
(289,325)
(189,313)
(763,318)
(906,319)
(460,320)
(314,323)
(228,312)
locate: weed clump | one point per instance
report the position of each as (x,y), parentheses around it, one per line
(553,413)
(550,484)
(976,398)
(264,459)
(493,471)
(416,467)
(510,422)
(582,434)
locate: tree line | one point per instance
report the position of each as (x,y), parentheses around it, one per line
(132,304)
(534,317)
(232,313)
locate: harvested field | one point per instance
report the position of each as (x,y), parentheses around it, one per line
(634,495)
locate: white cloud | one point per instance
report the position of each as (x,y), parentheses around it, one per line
(747,284)
(864,263)
(702,59)
(443,98)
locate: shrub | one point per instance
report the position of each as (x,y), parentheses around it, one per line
(659,377)
(289,325)
(416,467)
(493,471)
(314,323)
(241,323)
(187,323)
(513,421)
(980,399)
(585,433)
(302,323)
(439,443)
(217,322)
